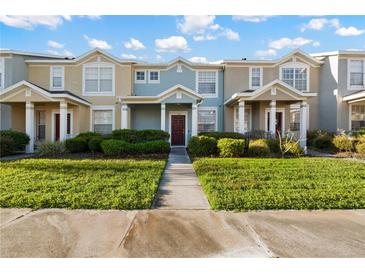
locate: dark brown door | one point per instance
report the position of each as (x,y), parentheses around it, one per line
(178,130)
(279,121)
(57,125)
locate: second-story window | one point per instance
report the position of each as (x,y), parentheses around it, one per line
(207,83)
(57,77)
(2,66)
(295,76)
(154,77)
(99,79)
(357,69)
(256,78)
(140,76)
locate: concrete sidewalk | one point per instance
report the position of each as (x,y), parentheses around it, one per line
(179,187)
(181,233)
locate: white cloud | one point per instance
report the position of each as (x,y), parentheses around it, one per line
(350,31)
(172,44)
(196,23)
(265,53)
(215,27)
(251,18)
(320,23)
(30,22)
(92,17)
(55,45)
(159,57)
(128,56)
(207,37)
(94,43)
(134,44)
(232,35)
(316,44)
(63,53)
(199,59)
(291,43)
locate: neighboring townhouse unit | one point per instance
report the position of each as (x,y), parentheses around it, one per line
(57,98)
(342,86)
(12,70)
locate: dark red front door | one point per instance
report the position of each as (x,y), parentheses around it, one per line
(279,121)
(57,125)
(178,130)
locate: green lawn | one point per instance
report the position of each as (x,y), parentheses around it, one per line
(88,183)
(303,183)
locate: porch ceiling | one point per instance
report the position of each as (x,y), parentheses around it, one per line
(275,90)
(358,96)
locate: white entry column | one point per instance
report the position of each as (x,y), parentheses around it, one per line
(163,117)
(272,127)
(124,124)
(63,121)
(194,120)
(241,116)
(303,126)
(29,126)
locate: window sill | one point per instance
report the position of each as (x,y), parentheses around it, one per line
(209,95)
(140,82)
(98,94)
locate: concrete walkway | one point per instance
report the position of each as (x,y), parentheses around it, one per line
(179,187)
(64,233)
(16,157)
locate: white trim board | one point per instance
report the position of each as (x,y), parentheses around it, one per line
(54,112)
(183,112)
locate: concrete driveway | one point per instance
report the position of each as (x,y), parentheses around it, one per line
(181,233)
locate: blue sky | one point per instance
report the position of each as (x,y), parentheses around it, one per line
(199,38)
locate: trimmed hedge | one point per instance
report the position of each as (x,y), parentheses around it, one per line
(94,144)
(274,146)
(343,143)
(258,148)
(220,135)
(7,146)
(360,148)
(20,139)
(118,147)
(76,145)
(231,147)
(89,135)
(201,146)
(137,136)
(51,149)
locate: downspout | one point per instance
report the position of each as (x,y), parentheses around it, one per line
(223,129)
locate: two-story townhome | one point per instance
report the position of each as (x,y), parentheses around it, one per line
(342,90)
(59,97)
(12,70)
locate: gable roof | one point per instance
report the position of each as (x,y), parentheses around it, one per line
(159,97)
(176,60)
(77,59)
(35,54)
(48,93)
(253,94)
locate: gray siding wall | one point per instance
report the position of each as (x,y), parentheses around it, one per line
(146,117)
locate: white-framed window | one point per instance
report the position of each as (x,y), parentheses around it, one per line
(247,120)
(295,74)
(154,76)
(103,121)
(99,79)
(207,119)
(207,83)
(140,76)
(356,74)
(255,77)
(357,117)
(57,79)
(2,73)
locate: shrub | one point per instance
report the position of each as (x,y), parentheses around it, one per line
(220,135)
(258,148)
(7,146)
(202,146)
(94,144)
(323,142)
(231,147)
(274,145)
(127,135)
(343,143)
(360,148)
(149,147)
(89,135)
(152,135)
(51,149)
(20,139)
(292,148)
(114,147)
(259,134)
(76,145)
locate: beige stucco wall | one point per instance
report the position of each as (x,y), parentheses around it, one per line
(18,116)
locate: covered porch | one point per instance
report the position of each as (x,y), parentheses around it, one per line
(276,108)
(174,110)
(356,106)
(45,115)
